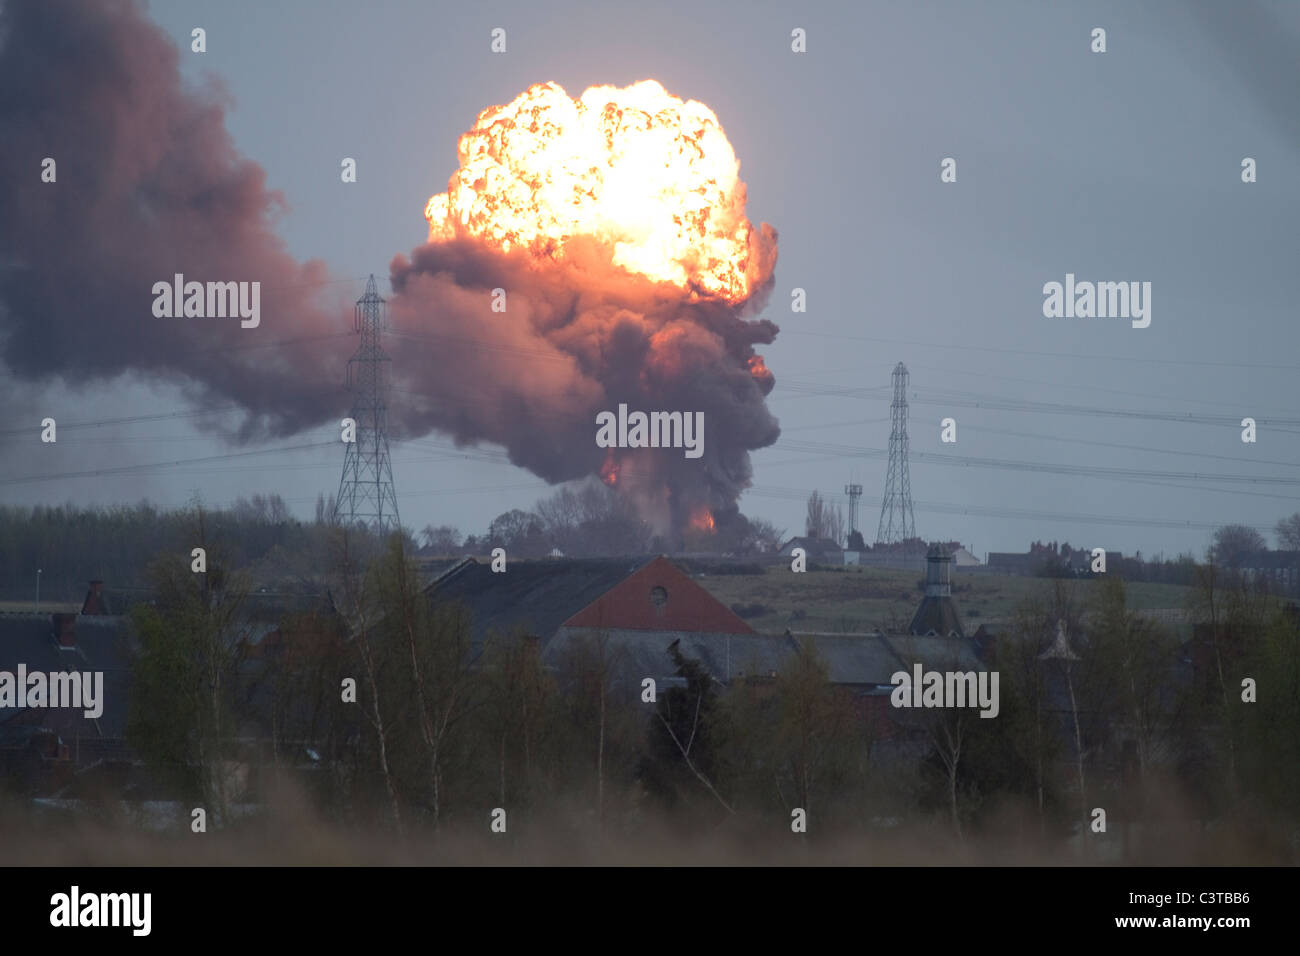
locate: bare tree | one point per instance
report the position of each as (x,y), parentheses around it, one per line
(947,729)
(1138,653)
(1233,542)
(356,602)
(1061,651)
(697,699)
(516,692)
(185,709)
(764,536)
(815,520)
(443,539)
(1231,610)
(1030,731)
(1288,533)
(436,641)
(324,509)
(590,665)
(834,524)
(812,735)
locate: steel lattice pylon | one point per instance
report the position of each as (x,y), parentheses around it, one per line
(896,520)
(366,493)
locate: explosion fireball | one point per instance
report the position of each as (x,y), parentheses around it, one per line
(615,225)
(636,167)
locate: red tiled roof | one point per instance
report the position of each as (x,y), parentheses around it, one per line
(680,605)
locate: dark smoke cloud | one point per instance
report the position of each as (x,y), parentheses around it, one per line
(1262,50)
(579,337)
(149,184)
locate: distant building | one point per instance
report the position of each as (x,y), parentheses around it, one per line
(43,747)
(639,606)
(1280,568)
(1044,559)
(863,664)
(1013,563)
(908,556)
(817,549)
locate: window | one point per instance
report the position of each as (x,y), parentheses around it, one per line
(658,596)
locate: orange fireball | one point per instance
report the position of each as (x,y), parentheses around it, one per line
(609,471)
(635,167)
(702,520)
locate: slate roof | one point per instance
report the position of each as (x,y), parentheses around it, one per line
(101,645)
(1013,560)
(637,654)
(871,659)
(813,547)
(935,652)
(534,596)
(937,614)
(865,660)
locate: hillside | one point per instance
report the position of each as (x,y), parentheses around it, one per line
(861,599)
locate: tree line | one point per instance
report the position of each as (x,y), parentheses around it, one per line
(389,716)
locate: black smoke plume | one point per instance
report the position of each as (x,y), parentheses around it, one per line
(578,337)
(148,184)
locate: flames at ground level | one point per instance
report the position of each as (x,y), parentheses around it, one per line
(702,520)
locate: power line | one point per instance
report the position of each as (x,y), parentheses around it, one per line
(127,420)
(151,466)
(1158,451)
(1032,466)
(953,398)
(1071,356)
(1161,396)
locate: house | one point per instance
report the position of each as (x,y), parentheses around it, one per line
(1280,568)
(817,549)
(637,606)
(51,744)
(1013,563)
(863,664)
(1050,560)
(906,555)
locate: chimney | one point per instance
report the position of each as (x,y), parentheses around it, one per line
(937,613)
(65,629)
(938,569)
(95,603)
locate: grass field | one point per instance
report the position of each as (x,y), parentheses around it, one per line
(865,599)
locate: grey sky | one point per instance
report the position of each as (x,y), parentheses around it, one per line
(1115,166)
